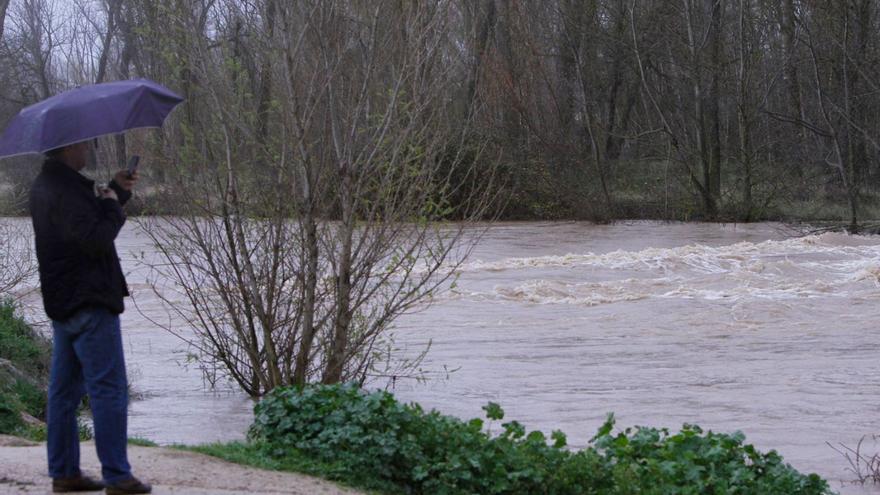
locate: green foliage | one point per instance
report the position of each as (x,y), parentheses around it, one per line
(261,456)
(23,373)
(141,442)
(20,344)
(374,441)
(9,413)
(38,433)
(651,460)
(17,396)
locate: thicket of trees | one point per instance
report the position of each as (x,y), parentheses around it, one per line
(324,143)
(594,108)
(727,108)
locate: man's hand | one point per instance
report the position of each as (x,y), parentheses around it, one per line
(126,181)
(107,193)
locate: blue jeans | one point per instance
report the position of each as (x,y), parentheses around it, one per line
(87,358)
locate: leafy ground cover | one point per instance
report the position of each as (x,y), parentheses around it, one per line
(373,441)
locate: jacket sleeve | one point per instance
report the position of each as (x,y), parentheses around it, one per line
(121,193)
(92,229)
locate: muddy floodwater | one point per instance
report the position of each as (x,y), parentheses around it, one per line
(732,327)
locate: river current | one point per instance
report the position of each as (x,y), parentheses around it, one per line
(732,327)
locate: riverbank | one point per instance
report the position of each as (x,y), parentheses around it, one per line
(628,207)
(24,371)
(23,470)
(372,441)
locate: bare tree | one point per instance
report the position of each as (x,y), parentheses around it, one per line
(745,107)
(17,262)
(4,5)
(296,274)
(838,45)
(37,27)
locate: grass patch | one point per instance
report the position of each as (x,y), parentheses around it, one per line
(141,442)
(259,456)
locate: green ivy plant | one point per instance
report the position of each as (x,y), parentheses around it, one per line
(402,448)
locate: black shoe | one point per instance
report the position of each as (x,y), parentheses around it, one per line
(76,484)
(131,485)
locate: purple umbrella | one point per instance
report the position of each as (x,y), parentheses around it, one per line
(85,113)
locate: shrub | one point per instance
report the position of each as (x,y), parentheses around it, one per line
(22,345)
(697,462)
(376,441)
(24,374)
(23,371)
(17,396)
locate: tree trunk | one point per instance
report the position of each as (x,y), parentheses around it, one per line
(714,184)
(4,4)
(744,113)
(790,65)
(703,186)
(303,357)
(485,18)
(113,9)
(342,322)
(265,90)
(849,79)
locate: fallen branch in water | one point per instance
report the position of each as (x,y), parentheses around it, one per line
(865,467)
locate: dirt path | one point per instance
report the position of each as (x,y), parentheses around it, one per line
(23,470)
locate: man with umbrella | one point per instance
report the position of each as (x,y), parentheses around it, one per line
(81,279)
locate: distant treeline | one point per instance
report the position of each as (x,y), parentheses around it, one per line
(688,109)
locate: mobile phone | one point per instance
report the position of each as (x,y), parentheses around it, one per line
(133,164)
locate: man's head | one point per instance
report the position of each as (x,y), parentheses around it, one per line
(76,156)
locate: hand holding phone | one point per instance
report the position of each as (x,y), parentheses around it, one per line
(133,165)
(128,177)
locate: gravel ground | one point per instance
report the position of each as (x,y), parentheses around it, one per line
(23,470)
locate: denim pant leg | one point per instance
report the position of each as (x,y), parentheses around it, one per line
(99,349)
(66,391)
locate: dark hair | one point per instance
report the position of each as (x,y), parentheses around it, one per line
(53,153)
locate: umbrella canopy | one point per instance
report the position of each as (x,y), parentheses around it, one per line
(85,113)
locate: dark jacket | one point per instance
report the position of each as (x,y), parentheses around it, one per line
(74,232)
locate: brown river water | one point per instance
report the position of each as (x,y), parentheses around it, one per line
(732,327)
